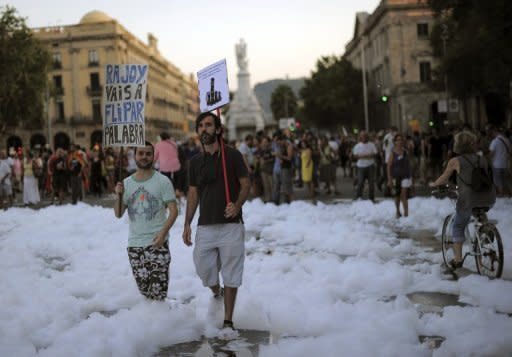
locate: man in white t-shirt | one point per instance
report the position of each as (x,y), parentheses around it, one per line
(246,148)
(500,151)
(365,152)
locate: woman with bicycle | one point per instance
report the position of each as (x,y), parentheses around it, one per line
(467,159)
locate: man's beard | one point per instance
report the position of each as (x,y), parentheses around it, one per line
(144,166)
(208,139)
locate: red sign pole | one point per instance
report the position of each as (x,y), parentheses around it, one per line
(223,153)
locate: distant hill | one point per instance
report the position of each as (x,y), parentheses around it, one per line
(264,90)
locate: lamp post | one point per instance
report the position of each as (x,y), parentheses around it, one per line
(365,95)
(47,114)
(444,37)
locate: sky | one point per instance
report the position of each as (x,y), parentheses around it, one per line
(320,278)
(284,38)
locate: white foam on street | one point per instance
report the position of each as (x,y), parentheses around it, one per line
(329,280)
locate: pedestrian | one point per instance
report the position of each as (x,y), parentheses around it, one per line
(148,195)
(500,153)
(30,184)
(166,155)
(307,168)
(59,174)
(365,152)
(75,166)
(5,180)
(399,170)
(219,241)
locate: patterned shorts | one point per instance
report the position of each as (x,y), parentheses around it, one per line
(150,267)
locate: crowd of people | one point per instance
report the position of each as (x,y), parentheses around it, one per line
(219,176)
(390,161)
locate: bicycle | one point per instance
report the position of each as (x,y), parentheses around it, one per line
(485,240)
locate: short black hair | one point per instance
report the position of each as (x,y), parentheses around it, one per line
(204,115)
(164,135)
(147,143)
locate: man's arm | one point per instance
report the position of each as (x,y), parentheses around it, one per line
(192,203)
(119,207)
(159,239)
(232,209)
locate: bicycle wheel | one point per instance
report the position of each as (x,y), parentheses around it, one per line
(489,251)
(446,240)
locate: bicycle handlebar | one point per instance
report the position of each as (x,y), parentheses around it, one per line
(444,191)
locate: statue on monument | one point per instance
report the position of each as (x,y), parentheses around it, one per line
(241,55)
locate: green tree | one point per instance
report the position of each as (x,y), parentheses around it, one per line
(472,39)
(24,72)
(333,94)
(283,102)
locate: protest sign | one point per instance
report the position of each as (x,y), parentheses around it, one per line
(213,86)
(124,98)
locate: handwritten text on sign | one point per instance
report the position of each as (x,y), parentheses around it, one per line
(124,97)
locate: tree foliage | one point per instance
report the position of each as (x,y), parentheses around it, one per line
(478,56)
(23,76)
(283,102)
(333,94)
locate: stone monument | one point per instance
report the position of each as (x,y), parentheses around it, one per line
(245,115)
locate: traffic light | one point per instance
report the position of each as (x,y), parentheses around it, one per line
(384,98)
(297,124)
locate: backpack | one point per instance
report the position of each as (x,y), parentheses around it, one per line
(481,180)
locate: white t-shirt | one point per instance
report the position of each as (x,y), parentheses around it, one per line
(500,153)
(247,152)
(387,145)
(364,149)
(5,168)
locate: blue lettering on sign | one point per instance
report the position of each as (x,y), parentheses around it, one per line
(127,112)
(134,73)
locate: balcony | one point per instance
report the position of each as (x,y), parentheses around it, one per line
(58,91)
(57,65)
(96,91)
(94,64)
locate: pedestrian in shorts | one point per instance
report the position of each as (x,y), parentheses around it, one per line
(219,241)
(148,195)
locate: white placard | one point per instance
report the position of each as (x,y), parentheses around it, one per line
(124,99)
(213,86)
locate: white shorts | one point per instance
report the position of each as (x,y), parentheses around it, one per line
(220,248)
(406,183)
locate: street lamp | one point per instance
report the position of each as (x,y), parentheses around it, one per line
(444,37)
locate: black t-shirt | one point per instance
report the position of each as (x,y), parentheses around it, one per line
(206,174)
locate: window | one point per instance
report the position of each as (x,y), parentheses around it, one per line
(57,81)
(422,30)
(93,58)
(60,111)
(57,60)
(96,110)
(95,80)
(425,75)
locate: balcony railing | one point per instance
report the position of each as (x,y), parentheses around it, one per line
(94,63)
(57,65)
(58,91)
(95,91)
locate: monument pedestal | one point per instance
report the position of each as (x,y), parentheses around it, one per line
(245,115)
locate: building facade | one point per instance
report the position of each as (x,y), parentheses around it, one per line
(74,98)
(392,46)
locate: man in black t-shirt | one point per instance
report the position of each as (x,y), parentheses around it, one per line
(220,246)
